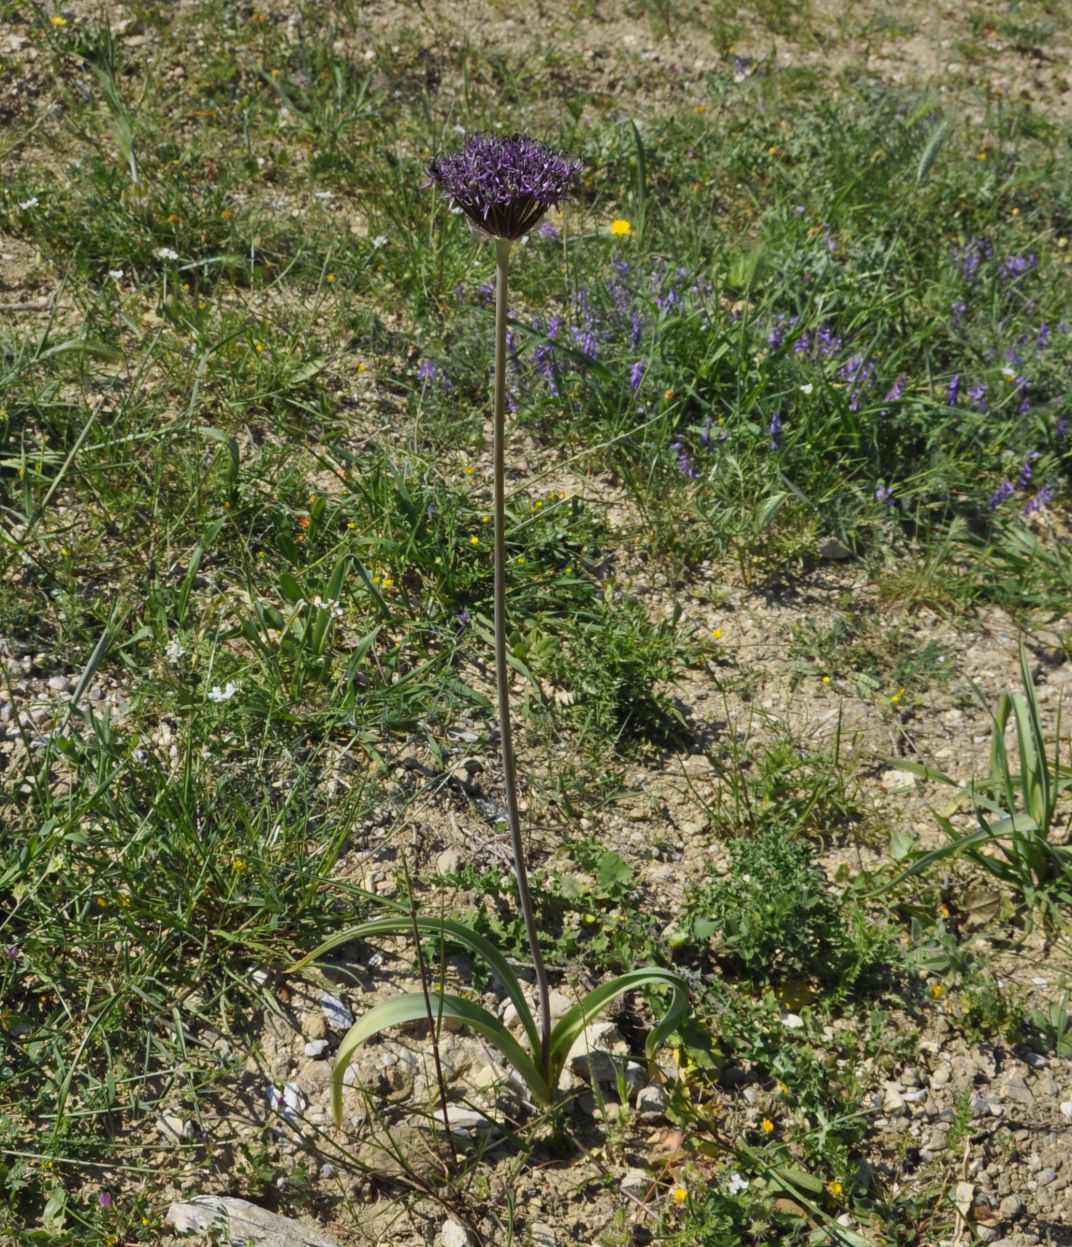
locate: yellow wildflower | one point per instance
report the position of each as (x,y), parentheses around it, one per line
(834,1187)
(58,20)
(680,1194)
(767,1126)
(620,227)
(716,634)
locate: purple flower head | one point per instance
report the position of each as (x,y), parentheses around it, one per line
(427,371)
(972,255)
(636,375)
(1014,266)
(1040,500)
(1025,471)
(958,309)
(1060,426)
(684,459)
(105,1199)
(547,230)
(504,184)
(775,429)
(884,493)
(977,393)
(953,393)
(1043,335)
(463,615)
(11,952)
(1003,491)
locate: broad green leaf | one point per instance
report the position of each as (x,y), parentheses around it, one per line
(450,930)
(613,871)
(573,1022)
(412,1007)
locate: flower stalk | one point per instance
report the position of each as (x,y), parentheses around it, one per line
(502,671)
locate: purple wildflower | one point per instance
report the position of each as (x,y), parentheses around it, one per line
(977,393)
(859,371)
(1042,338)
(636,330)
(958,309)
(636,375)
(11,952)
(504,184)
(1016,266)
(1023,388)
(427,371)
(775,430)
(684,459)
(1060,426)
(1003,491)
(884,493)
(1040,500)
(974,252)
(1025,471)
(105,1199)
(463,615)
(547,230)
(897,389)
(953,393)
(705,435)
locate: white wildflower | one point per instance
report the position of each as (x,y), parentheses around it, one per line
(331,605)
(116,274)
(379,241)
(175,650)
(166,253)
(324,195)
(223,694)
(27,204)
(735,1183)
(807,389)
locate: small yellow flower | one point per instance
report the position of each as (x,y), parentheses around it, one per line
(485,519)
(362,367)
(102,902)
(568,570)
(668,394)
(700,108)
(716,634)
(468,469)
(238,865)
(834,1187)
(330,277)
(936,990)
(620,227)
(173,218)
(521,558)
(350,524)
(258,347)
(58,20)
(767,1126)
(773,149)
(474,541)
(387,582)
(226,214)
(680,1194)
(826,679)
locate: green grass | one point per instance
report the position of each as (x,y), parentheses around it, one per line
(247,446)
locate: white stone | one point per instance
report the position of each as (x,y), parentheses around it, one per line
(598,1053)
(651,1103)
(637,1183)
(454,1234)
(244,1224)
(542,1235)
(175,1128)
(337,1016)
(316,1047)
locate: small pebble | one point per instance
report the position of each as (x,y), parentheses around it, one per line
(1045,1177)
(316,1047)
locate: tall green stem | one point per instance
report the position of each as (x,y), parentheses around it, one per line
(502,671)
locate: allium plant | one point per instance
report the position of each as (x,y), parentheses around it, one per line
(504,186)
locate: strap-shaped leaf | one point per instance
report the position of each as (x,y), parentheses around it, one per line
(459,933)
(572,1023)
(412,1007)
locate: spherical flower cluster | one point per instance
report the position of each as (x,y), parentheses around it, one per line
(504,185)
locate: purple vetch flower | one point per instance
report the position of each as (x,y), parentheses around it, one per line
(105,1199)
(636,330)
(859,371)
(463,615)
(547,230)
(427,371)
(705,435)
(11,952)
(1060,426)
(775,429)
(684,459)
(504,184)
(1025,472)
(636,375)
(1043,336)
(953,393)
(971,256)
(1023,390)
(977,393)
(1040,500)
(895,392)
(884,493)
(1003,491)
(958,309)
(1016,266)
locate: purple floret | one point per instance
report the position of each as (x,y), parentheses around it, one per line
(504,184)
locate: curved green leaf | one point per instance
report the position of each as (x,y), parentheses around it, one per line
(572,1023)
(412,1007)
(459,933)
